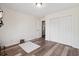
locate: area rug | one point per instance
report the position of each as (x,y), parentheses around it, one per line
(29,46)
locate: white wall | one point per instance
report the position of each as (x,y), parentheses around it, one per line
(63,27)
(18,26)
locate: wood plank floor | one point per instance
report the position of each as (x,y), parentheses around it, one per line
(47,48)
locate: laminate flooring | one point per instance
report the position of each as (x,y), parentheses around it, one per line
(48,48)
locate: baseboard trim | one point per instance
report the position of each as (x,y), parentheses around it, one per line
(19,43)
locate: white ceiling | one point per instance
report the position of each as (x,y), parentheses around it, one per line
(48,8)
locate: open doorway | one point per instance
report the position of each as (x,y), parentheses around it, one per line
(43,29)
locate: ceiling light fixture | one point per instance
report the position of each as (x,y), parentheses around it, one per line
(39,5)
